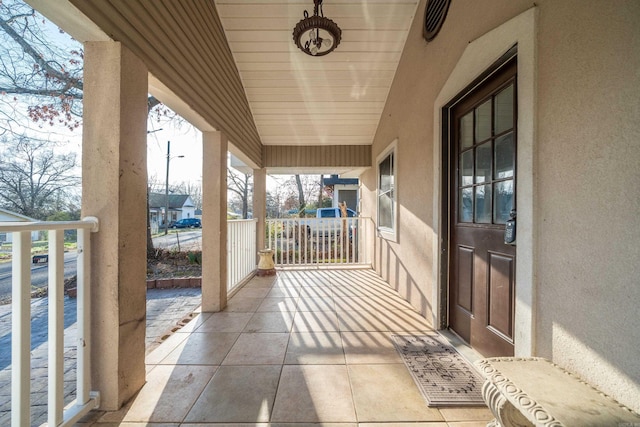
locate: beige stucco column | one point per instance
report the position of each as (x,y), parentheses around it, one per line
(260,204)
(214,221)
(114,188)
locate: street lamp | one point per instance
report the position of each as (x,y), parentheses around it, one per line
(166,189)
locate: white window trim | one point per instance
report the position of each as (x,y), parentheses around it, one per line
(386,232)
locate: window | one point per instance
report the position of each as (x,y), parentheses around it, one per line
(387,192)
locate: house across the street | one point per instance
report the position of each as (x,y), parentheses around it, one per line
(8,216)
(179,206)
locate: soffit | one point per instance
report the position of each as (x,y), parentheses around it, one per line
(184,46)
(297,99)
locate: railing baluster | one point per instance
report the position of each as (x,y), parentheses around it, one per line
(318,242)
(84,320)
(56,327)
(21,330)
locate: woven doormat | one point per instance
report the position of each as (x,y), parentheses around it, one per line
(443,376)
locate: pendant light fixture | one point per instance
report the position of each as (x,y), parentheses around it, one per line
(316,35)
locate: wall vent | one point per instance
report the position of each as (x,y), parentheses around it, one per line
(434,15)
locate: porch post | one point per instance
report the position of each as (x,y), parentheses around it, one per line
(214,221)
(114,189)
(260,204)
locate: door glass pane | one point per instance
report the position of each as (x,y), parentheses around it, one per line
(504,110)
(465,200)
(483,163)
(483,204)
(505,158)
(466,168)
(503,201)
(483,121)
(466,130)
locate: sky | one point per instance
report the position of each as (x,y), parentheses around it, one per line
(185,139)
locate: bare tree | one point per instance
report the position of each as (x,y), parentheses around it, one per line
(241,185)
(34,181)
(192,189)
(40,82)
(38,79)
(301,199)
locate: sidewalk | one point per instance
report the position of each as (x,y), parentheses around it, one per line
(165,308)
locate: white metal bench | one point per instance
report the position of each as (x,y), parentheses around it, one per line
(535,392)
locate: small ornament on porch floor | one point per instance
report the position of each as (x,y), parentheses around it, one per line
(266,267)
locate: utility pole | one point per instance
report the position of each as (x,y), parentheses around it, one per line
(166,190)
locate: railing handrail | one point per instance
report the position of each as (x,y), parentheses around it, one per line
(242,220)
(86,399)
(87,223)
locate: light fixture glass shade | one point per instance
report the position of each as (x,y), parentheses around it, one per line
(316,35)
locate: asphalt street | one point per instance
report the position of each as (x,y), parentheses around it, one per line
(39,274)
(187,240)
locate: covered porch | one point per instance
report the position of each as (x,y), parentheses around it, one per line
(381,107)
(304,346)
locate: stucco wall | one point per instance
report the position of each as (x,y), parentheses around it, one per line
(588,286)
(587,151)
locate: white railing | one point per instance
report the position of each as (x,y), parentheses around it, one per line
(241,251)
(319,241)
(58,415)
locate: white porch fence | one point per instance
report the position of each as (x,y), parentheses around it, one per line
(319,242)
(241,251)
(58,415)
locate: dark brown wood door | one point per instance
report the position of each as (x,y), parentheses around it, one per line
(482,194)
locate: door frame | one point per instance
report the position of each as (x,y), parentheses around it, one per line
(476,61)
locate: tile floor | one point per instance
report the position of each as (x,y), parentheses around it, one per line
(304,347)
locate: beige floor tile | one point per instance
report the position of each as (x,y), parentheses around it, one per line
(310,321)
(467,414)
(226,425)
(252,293)
(278,304)
(134,425)
(401,321)
(435,424)
(237,394)
(371,303)
(313,425)
(195,323)
(468,423)
(369,348)
(362,291)
(358,321)
(388,393)
(270,322)
(324,303)
(289,292)
(261,282)
(314,393)
(314,348)
(315,291)
(169,393)
(165,348)
(225,322)
(202,348)
(258,349)
(242,304)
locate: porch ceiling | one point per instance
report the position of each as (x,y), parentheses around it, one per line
(234,67)
(297,99)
